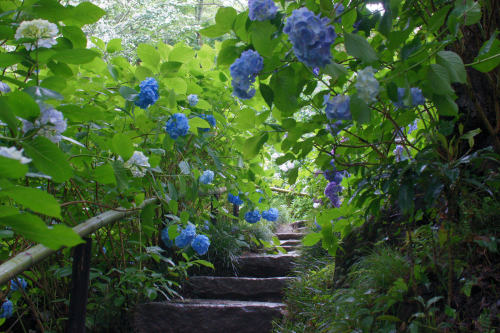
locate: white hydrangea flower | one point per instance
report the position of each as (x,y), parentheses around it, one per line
(367,85)
(316,205)
(43,31)
(51,123)
(14,154)
(136,163)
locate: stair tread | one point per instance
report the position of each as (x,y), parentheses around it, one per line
(223,303)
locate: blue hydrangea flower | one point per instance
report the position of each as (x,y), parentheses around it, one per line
(7,309)
(252,216)
(367,85)
(261,10)
(244,70)
(234,199)
(4,87)
(177,125)
(200,244)
(413,127)
(193,99)
(207,177)
(210,119)
(148,94)
(186,237)
(206,225)
(271,214)
(417,98)
(165,238)
(311,37)
(316,71)
(17,283)
(331,191)
(339,9)
(337,107)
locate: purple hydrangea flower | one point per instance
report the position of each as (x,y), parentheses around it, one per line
(7,309)
(417,98)
(51,123)
(311,37)
(252,216)
(207,177)
(177,125)
(337,107)
(316,71)
(201,244)
(271,214)
(331,191)
(244,70)
(148,94)
(186,237)
(234,199)
(193,99)
(165,238)
(261,10)
(18,283)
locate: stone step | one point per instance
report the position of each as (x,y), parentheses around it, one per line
(237,288)
(298,224)
(265,265)
(207,316)
(292,242)
(290,248)
(290,235)
(303,229)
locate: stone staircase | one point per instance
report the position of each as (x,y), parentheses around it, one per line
(247,303)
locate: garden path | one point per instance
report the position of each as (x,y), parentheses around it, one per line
(247,303)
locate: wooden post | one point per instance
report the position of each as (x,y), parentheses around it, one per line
(236,210)
(80,287)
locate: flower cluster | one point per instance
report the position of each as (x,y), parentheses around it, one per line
(261,10)
(243,71)
(311,37)
(271,214)
(332,192)
(417,98)
(339,9)
(149,93)
(210,119)
(413,127)
(193,99)
(177,125)
(50,123)
(399,153)
(18,283)
(41,31)
(7,309)
(252,216)
(337,107)
(188,236)
(14,154)
(207,177)
(367,85)
(137,163)
(234,199)
(4,87)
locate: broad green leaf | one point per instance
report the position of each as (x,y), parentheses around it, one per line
(48,158)
(9,59)
(42,94)
(10,168)
(467,11)
(225,17)
(7,116)
(489,55)
(245,119)
(453,63)
(284,88)
(178,84)
(37,200)
(359,110)
(261,33)
(114,45)
(358,47)
(75,56)
(197,122)
(267,94)
(254,144)
(335,70)
(105,174)
(311,239)
(214,31)
(148,55)
(122,145)
(445,105)
(204,263)
(181,53)
(439,80)
(128,93)
(76,36)
(170,68)
(34,229)
(86,13)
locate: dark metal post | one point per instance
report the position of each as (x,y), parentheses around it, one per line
(236,210)
(80,287)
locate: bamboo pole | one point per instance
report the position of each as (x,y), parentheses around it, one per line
(282,190)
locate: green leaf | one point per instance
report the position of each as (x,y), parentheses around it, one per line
(37,200)
(228,52)
(114,45)
(359,110)
(245,119)
(75,35)
(181,53)
(267,93)
(445,105)
(122,145)
(10,168)
(214,31)
(34,229)
(75,56)
(453,63)
(86,13)
(439,80)
(389,318)
(42,94)
(170,68)
(261,33)
(311,239)
(149,55)
(467,11)
(23,105)
(225,17)
(489,55)
(335,70)
(406,197)
(9,59)
(204,263)
(254,144)
(358,47)
(128,93)
(7,116)
(48,158)
(105,174)
(197,122)
(284,88)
